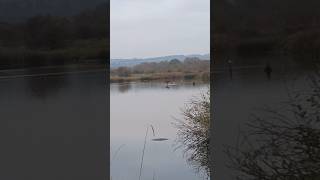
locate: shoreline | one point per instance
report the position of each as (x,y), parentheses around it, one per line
(51,70)
(173,76)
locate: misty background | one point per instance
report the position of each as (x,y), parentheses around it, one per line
(151,28)
(54,100)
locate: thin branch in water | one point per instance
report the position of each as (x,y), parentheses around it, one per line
(143,150)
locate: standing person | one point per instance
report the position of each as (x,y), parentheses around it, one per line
(268,71)
(167,84)
(230,68)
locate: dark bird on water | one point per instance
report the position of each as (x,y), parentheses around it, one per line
(160,139)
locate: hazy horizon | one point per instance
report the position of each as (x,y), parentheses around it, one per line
(149,57)
(151,28)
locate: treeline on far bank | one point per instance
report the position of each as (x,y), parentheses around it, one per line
(188,69)
(259,27)
(47,40)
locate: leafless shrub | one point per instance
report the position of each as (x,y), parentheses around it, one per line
(282,144)
(193,132)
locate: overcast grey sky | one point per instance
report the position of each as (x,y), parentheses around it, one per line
(150,28)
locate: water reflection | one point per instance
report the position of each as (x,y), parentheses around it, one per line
(158,86)
(148,103)
(282,142)
(60,136)
(125,87)
(46,86)
(266,147)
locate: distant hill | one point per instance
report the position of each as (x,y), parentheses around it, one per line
(115,63)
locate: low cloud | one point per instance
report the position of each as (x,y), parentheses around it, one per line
(145,28)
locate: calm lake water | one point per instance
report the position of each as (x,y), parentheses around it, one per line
(236,99)
(134,107)
(54,127)
(49,124)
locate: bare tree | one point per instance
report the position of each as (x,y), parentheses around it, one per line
(282,144)
(193,132)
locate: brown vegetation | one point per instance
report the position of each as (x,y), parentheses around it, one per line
(190,68)
(193,133)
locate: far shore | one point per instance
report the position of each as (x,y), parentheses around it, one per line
(167,77)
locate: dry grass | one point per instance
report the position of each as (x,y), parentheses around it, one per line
(162,76)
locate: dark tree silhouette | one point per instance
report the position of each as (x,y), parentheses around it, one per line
(47,32)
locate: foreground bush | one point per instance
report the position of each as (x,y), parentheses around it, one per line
(193,132)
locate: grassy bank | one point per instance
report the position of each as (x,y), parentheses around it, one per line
(189,69)
(172,76)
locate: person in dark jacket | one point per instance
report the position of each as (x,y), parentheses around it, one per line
(268,71)
(230,68)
